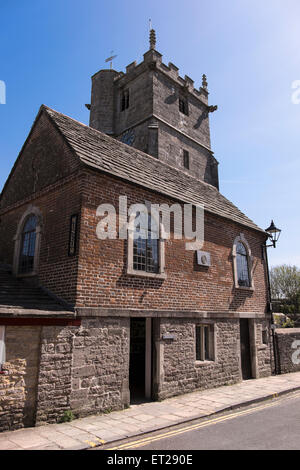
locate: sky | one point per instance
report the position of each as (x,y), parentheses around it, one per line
(249,50)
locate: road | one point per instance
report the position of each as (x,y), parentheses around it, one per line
(270,425)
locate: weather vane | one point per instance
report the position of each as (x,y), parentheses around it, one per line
(110,59)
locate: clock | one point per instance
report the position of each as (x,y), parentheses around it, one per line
(128,137)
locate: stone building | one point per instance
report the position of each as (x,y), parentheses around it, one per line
(89,324)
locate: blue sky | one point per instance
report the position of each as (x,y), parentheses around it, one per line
(248,49)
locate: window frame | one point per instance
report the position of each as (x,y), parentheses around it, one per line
(186,159)
(183,105)
(241,239)
(73,235)
(161,256)
(124,99)
(205,332)
(18,240)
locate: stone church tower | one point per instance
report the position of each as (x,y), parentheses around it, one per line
(153,109)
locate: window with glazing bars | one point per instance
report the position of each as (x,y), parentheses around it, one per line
(202,343)
(146,247)
(124,100)
(242,265)
(28,245)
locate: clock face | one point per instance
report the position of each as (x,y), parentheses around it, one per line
(128,137)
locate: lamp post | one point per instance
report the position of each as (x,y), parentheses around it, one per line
(273,234)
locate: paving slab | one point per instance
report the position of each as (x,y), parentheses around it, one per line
(97,430)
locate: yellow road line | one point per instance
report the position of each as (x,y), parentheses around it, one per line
(149,440)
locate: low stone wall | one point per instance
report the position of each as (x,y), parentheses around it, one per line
(288,344)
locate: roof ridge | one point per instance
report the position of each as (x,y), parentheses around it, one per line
(107,154)
(109,138)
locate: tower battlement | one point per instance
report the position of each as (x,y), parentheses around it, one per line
(151,107)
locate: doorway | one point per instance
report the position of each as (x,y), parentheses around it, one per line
(140,364)
(245,349)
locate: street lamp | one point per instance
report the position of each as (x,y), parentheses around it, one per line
(273,233)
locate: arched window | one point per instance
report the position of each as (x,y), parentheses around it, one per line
(28,245)
(242,263)
(146,246)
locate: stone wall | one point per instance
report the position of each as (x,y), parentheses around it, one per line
(288,344)
(18,387)
(12,396)
(100,366)
(83,369)
(182,373)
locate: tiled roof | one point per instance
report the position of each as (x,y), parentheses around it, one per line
(18,298)
(99,151)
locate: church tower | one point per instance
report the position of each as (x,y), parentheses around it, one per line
(155,110)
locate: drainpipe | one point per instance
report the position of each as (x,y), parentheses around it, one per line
(270,310)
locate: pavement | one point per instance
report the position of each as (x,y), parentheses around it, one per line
(97,430)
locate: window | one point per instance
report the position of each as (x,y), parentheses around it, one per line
(204,344)
(28,245)
(2,347)
(73,235)
(183,106)
(242,263)
(145,247)
(186,159)
(265,336)
(124,100)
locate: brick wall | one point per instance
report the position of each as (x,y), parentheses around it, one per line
(103,279)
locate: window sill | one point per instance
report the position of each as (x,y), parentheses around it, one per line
(262,347)
(249,289)
(133,272)
(203,363)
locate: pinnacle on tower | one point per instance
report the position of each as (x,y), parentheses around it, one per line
(152,39)
(204,81)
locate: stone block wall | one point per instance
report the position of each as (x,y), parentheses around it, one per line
(288,344)
(182,373)
(18,387)
(100,366)
(12,396)
(83,369)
